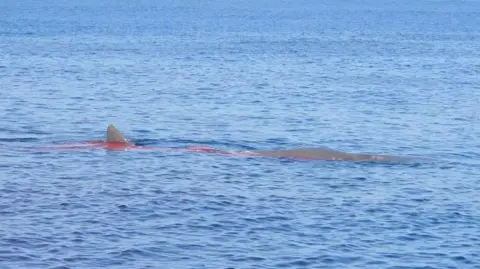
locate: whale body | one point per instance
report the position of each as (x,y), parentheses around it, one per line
(114,136)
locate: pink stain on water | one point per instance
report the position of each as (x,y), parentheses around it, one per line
(129,147)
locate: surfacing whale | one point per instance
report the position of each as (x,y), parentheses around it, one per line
(114,136)
(115,140)
(328,155)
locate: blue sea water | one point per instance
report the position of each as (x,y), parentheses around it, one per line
(391,77)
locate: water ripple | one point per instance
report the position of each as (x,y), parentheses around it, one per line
(377,77)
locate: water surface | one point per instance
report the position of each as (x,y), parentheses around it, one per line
(386,77)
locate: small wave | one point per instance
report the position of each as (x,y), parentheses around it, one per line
(14,258)
(16,33)
(18,139)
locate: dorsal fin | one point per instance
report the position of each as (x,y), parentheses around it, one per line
(114,135)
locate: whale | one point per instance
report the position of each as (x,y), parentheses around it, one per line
(115,136)
(328,155)
(115,140)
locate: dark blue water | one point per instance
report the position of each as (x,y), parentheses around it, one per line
(391,77)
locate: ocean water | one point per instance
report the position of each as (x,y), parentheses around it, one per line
(390,77)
